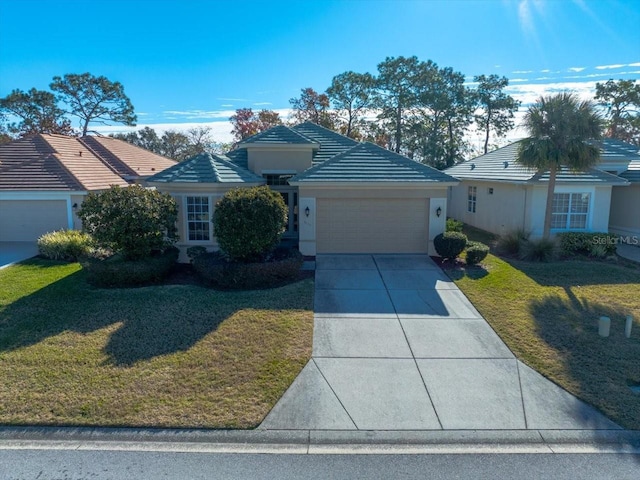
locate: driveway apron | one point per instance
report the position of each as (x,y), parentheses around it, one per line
(397,346)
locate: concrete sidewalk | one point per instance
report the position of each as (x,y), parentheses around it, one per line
(397,346)
(630,252)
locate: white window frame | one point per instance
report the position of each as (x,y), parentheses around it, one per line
(186,219)
(580,191)
(472,198)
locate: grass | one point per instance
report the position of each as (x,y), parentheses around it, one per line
(547,313)
(162,356)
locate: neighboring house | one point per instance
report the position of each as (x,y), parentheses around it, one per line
(624,218)
(343,196)
(499,195)
(44,179)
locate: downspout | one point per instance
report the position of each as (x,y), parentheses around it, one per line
(69,214)
(524,217)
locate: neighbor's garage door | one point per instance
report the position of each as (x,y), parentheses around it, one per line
(26,220)
(372,225)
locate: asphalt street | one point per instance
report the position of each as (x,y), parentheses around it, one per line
(127,465)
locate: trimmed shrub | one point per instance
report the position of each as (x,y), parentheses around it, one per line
(196,251)
(454,225)
(69,245)
(596,244)
(512,242)
(539,250)
(249,222)
(134,221)
(450,244)
(116,271)
(219,271)
(476,252)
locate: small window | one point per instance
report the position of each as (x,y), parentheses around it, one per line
(277,179)
(490,190)
(471,199)
(198,219)
(570,211)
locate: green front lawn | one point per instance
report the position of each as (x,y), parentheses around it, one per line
(547,313)
(165,356)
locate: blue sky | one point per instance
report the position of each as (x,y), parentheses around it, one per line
(185,62)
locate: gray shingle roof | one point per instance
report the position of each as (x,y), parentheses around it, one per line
(331,143)
(279,135)
(206,168)
(501,165)
(239,157)
(633,173)
(366,162)
(617,151)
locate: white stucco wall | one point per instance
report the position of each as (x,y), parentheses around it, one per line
(498,212)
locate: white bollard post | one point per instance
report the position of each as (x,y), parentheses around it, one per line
(627,326)
(604,326)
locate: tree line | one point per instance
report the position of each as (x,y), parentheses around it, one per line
(413,107)
(426,112)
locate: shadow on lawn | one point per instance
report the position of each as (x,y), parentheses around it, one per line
(600,368)
(153,321)
(577,272)
(474,272)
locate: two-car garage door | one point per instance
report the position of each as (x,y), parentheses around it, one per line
(368,225)
(26,220)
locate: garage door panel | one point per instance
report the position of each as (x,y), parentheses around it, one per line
(372,225)
(26,220)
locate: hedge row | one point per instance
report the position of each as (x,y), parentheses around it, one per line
(118,272)
(595,244)
(216,270)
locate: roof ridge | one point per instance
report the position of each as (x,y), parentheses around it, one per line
(118,140)
(332,132)
(104,160)
(264,133)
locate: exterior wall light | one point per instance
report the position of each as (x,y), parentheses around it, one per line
(438,212)
(307,211)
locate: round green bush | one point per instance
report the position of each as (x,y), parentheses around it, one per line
(69,245)
(249,222)
(134,221)
(476,252)
(450,244)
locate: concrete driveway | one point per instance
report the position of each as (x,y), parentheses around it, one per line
(12,252)
(397,346)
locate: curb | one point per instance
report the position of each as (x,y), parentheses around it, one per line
(321,441)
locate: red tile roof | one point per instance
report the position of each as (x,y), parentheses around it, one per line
(58,162)
(127,159)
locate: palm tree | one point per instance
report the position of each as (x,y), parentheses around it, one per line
(563,131)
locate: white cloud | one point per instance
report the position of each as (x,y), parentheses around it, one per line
(198,114)
(511,80)
(220,130)
(546,70)
(608,67)
(225,99)
(227,105)
(262,103)
(636,64)
(521,72)
(576,69)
